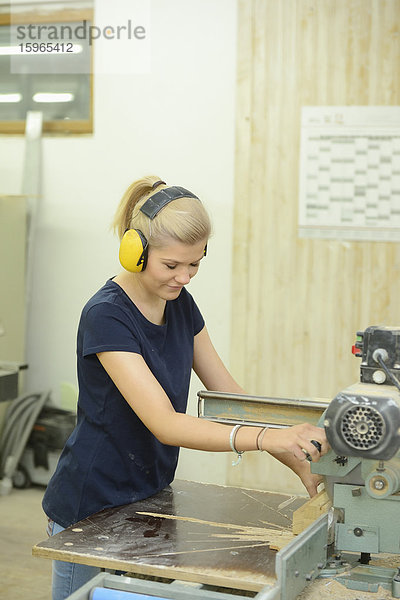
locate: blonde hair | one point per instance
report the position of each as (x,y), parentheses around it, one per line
(184,220)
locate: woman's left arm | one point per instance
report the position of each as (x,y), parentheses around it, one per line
(209,367)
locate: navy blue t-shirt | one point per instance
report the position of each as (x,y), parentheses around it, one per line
(111,458)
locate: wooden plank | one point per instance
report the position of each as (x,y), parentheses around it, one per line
(69,126)
(13,217)
(195,532)
(46,16)
(311,511)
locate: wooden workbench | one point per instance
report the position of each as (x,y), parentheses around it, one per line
(204,533)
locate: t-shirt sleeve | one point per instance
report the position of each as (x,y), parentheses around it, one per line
(106,329)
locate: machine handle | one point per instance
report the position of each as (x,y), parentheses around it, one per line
(318,447)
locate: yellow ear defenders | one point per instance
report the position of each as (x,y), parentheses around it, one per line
(133,250)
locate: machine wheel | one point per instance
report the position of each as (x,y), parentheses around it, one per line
(21,479)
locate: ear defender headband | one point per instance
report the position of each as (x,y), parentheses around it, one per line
(134,246)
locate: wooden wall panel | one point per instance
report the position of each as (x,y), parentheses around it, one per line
(297,303)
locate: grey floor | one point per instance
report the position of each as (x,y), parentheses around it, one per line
(23,524)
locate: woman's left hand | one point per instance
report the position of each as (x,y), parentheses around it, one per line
(302,468)
(309,480)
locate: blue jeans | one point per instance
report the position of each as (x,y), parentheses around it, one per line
(68,577)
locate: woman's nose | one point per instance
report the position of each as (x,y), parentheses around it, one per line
(183,276)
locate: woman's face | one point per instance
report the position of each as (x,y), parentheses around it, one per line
(171,267)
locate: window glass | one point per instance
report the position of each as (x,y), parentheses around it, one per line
(46,66)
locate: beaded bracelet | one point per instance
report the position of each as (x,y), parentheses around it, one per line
(232,438)
(260,438)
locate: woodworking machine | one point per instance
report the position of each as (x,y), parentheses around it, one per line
(362,469)
(361,472)
(356,540)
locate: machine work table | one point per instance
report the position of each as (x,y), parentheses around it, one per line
(202,533)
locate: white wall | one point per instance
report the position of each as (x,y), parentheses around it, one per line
(177,122)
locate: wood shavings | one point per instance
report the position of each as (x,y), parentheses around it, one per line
(276,537)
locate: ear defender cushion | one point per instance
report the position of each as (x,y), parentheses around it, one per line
(133,251)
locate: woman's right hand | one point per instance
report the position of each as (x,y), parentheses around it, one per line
(296,440)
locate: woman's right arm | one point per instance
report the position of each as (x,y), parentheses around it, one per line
(147,398)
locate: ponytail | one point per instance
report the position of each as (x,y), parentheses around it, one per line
(138,190)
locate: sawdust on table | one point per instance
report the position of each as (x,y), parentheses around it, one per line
(327,589)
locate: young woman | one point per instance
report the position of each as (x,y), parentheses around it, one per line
(139,337)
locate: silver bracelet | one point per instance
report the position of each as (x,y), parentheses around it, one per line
(260,438)
(232,438)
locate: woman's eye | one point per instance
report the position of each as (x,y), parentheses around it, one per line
(197,264)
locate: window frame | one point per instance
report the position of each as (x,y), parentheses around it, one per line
(70,126)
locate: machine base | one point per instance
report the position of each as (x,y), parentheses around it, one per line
(347,570)
(368,578)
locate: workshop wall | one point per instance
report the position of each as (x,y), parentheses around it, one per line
(297,303)
(177,121)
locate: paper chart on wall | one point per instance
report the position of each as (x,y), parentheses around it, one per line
(349,180)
